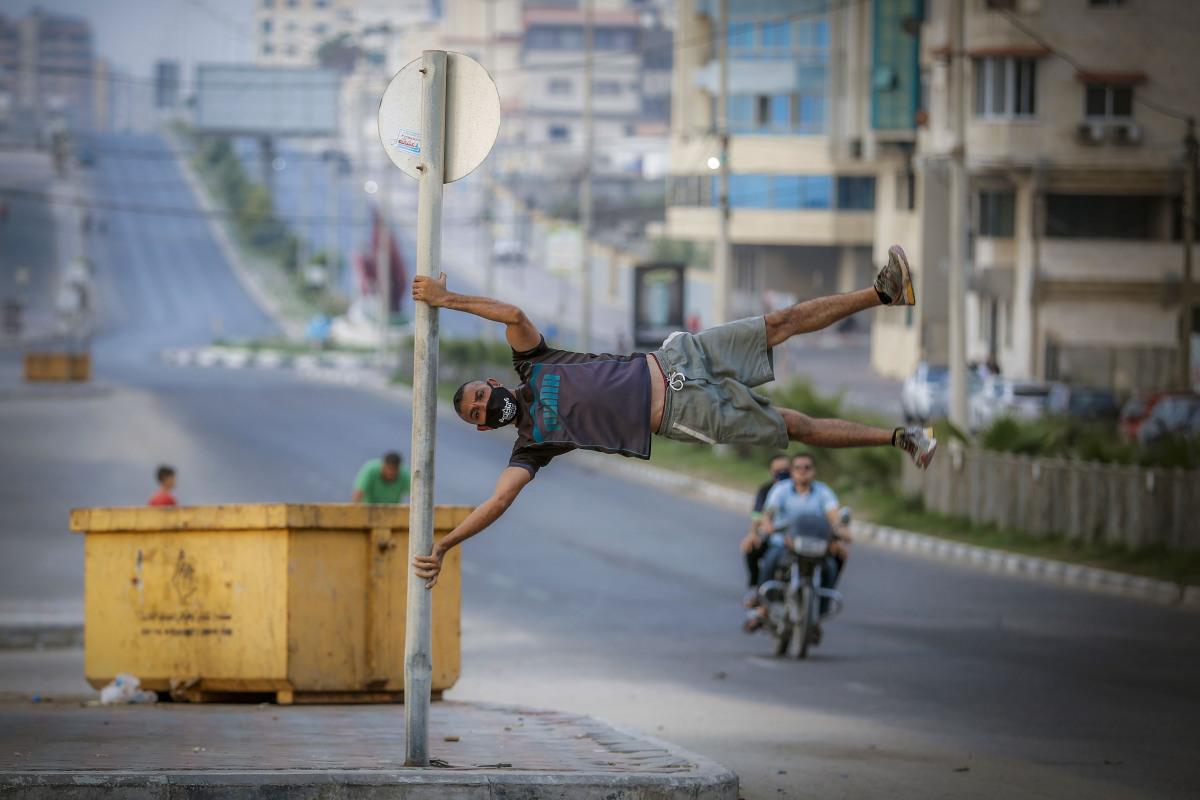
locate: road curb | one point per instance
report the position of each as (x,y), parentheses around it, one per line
(370,785)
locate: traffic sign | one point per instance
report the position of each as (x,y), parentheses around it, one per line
(472,117)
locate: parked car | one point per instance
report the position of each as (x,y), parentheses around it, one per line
(1083,402)
(925,394)
(999,396)
(1145,419)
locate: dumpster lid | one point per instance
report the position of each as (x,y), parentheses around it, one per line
(256,516)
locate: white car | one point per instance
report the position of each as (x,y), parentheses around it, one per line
(999,396)
(925,394)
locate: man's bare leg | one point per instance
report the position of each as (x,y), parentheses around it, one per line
(832,432)
(893,286)
(813,315)
(918,442)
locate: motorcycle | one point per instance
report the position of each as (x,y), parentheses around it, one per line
(792,595)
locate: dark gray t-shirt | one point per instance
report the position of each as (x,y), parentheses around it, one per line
(571,400)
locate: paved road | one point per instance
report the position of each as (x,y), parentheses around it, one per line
(599,596)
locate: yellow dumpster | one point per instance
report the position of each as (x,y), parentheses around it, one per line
(305,602)
(57,367)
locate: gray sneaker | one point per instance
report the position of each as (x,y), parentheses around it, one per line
(894,281)
(919,443)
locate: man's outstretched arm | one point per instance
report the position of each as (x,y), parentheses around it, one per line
(521,333)
(511,482)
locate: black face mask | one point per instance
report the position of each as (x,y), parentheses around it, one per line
(782,474)
(501,408)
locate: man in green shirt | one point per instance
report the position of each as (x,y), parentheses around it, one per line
(382,480)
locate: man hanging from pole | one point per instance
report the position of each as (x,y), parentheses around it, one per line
(695,388)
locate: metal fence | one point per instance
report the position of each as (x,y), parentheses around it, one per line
(1079,501)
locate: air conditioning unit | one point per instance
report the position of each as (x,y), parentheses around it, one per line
(1090,133)
(1127,134)
(854,148)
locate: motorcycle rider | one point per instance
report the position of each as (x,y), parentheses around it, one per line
(805,506)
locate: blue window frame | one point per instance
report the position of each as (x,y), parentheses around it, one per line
(749,191)
(741,35)
(741,113)
(810,114)
(780,113)
(777,34)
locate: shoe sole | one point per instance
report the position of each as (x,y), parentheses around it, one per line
(910,294)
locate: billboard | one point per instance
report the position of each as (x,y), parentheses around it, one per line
(246,100)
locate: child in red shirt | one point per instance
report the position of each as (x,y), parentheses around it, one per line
(166,483)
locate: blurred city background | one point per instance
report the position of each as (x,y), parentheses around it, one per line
(205,258)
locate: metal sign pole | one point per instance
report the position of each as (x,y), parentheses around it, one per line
(418,665)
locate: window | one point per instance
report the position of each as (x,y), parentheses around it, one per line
(810,115)
(741,35)
(1106,3)
(559,86)
(1108,101)
(749,191)
(777,34)
(293,3)
(741,113)
(779,117)
(1005,87)
(1001,5)
(856,192)
(266,26)
(996,214)
(606,88)
(320,28)
(559,133)
(801,191)
(1075,216)
(321,3)
(267,49)
(268,3)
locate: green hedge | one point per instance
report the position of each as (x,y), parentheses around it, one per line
(1088,441)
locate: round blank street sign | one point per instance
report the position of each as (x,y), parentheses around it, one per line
(472,116)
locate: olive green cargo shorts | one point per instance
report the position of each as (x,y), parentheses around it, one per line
(709,378)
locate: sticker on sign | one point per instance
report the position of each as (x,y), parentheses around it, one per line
(408,141)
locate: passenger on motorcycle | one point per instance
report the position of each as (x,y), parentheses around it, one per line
(802,505)
(754,545)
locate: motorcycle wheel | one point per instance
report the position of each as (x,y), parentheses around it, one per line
(800,629)
(783,638)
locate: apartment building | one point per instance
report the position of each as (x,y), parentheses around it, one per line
(290,32)
(806,140)
(47,64)
(1075,185)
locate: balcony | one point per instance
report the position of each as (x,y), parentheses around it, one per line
(774,226)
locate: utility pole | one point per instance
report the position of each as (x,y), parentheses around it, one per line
(1189,240)
(333,271)
(489,217)
(585,198)
(958,220)
(383,265)
(418,660)
(722,255)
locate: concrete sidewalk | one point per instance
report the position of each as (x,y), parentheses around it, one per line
(66,748)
